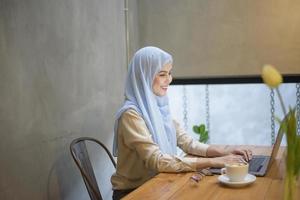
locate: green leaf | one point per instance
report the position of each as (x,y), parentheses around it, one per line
(204,137)
(293,144)
(202,128)
(202,132)
(196,129)
(291,125)
(297,153)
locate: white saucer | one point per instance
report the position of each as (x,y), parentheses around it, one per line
(248,180)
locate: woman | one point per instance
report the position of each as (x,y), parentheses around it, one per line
(146,137)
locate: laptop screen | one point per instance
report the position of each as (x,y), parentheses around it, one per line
(276,146)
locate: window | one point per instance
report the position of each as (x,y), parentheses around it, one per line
(236,113)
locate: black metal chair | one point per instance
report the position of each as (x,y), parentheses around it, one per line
(81,157)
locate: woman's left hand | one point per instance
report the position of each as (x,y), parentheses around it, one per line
(246,153)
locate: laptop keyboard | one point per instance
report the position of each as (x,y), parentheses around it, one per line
(256,164)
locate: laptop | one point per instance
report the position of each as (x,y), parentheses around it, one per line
(259,164)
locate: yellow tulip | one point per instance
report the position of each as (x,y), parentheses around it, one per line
(271,76)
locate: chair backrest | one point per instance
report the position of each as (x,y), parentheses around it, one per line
(81,157)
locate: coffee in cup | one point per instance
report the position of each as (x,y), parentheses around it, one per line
(236,172)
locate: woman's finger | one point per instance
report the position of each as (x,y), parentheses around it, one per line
(246,155)
(250,154)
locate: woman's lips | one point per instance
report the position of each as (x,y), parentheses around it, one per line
(164,88)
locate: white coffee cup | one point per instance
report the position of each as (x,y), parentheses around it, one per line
(236,172)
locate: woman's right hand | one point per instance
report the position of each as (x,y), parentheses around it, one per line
(220,162)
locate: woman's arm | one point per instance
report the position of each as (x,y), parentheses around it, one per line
(188,144)
(214,151)
(191,146)
(136,136)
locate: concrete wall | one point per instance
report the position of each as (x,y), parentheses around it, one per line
(210,38)
(62,69)
(133,26)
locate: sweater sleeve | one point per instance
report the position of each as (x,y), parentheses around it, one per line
(188,144)
(137,137)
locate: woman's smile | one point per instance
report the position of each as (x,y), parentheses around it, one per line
(162,80)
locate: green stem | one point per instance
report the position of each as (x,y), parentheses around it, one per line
(290,186)
(281,101)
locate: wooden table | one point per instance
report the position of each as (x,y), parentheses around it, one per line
(180,186)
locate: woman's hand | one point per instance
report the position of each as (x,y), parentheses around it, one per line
(220,162)
(219,156)
(246,153)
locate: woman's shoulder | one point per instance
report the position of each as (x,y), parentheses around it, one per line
(131,118)
(130,114)
(130,111)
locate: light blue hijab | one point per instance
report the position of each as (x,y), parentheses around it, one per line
(145,64)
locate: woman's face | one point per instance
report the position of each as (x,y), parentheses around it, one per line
(162,80)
